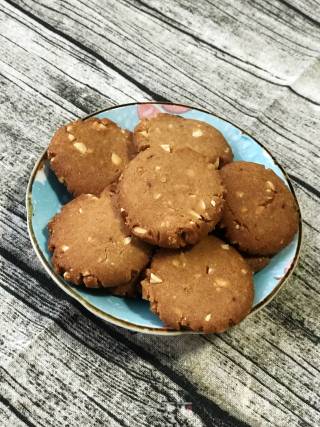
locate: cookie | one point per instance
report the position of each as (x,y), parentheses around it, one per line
(128,290)
(206,288)
(170,199)
(257,263)
(91,245)
(88,155)
(174,132)
(260,215)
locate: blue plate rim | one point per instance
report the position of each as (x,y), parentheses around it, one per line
(122,323)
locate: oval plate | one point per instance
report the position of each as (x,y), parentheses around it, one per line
(45,196)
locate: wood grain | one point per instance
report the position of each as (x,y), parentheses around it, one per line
(254,63)
(238,95)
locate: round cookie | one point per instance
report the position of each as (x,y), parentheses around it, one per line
(170,199)
(260,214)
(206,288)
(88,155)
(257,263)
(91,245)
(176,132)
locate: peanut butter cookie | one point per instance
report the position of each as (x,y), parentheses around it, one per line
(174,132)
(170,199)
(206,288)
(92,246)
(88,155)
(260,214)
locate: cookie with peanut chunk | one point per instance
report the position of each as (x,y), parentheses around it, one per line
(88,155)
(207,288)
(170,199)
(92,246)
(260,214)
(174,132)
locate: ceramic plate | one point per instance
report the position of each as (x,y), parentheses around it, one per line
(45,196)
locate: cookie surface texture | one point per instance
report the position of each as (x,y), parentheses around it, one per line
(91,245)
(257,263)
(260,214)
(88,155)
(177,132)
(128,290)
(170,199)
(206,288)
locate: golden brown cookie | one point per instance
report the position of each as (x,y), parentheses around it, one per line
(175,132)
(92,246)
(206,288)
(170,199)
(88,155)
(260,214)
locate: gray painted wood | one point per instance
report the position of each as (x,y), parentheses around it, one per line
(254,63)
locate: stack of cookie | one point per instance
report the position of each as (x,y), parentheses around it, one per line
(149,208)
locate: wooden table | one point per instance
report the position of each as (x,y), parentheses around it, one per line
(255,63)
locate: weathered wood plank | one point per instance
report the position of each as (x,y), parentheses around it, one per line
(9,415)
(267,39)
(290,130)
(144,59)
(82,82)
(177,73)
(308,10)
